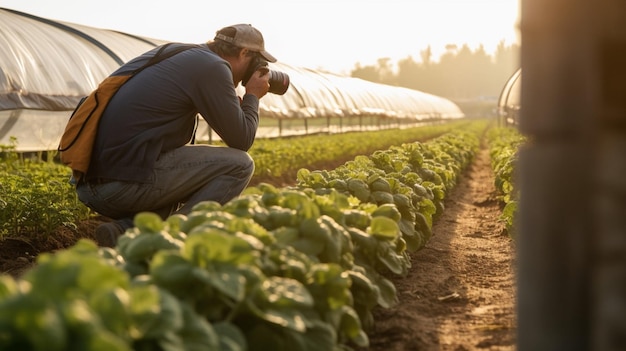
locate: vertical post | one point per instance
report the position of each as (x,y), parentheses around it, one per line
(609,274)
(558,95)
(572,237)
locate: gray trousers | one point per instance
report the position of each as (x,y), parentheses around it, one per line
(182,178)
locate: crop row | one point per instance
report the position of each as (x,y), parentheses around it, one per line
(504,144)
(294,268)
(36,197)
(277,157)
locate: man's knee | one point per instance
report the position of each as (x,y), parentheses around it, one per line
(243,163)
(247,163)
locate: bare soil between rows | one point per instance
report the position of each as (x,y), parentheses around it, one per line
(459,293)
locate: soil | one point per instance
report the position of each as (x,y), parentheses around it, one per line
(458,295)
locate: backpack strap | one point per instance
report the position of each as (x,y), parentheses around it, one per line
(160,56)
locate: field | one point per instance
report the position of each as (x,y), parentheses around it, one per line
(458,293)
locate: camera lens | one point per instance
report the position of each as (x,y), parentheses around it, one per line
(279,82)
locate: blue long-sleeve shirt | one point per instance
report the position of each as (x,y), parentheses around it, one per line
(155,111)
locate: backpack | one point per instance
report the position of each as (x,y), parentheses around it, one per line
(77,141)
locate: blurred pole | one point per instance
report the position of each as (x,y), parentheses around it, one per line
(572,215)
(554,213)
(609,274)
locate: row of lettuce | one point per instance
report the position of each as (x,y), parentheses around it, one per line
(293,268)
(36,197)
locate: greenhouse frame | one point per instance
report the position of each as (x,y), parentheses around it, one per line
(509,100)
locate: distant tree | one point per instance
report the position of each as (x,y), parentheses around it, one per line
(452,48)
(460,73)
(427,56)
(386,72)
(370,73)
(410,74)
(417,75)
(506,62)
(383,72)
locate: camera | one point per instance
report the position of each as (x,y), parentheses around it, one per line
(279,81)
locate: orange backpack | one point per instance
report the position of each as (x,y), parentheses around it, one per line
(77,141)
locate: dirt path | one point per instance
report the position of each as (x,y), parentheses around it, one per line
(460,292)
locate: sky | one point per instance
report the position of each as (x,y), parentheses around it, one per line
(331,35)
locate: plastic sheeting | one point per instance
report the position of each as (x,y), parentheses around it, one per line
(509,101)
(49,65)
(46,66)
(320,94)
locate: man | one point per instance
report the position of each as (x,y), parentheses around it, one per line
(143,158)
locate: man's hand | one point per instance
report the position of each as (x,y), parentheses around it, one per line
(258,84)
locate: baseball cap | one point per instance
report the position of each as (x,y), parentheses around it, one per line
(245,36)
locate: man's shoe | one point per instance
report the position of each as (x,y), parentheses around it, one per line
(107,234)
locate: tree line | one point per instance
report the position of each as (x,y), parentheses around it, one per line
(459,74)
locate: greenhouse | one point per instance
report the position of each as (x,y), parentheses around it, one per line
(509,100)
(47,66)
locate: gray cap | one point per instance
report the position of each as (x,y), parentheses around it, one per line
(245,36)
